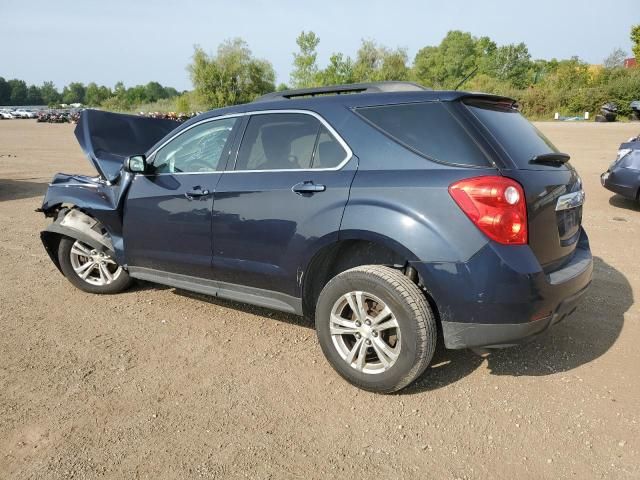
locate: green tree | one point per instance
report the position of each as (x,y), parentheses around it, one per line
(182,104)
(119,90)
(95,94)
(569,74)
(154,92)
(615,59)
(485,51)
(447,64)
(368,61)
(73,93)
(18,92)
(305,68)
(339,71)
(512,63)
(635,40)
(136,95)
(34,97)
(394,65)
(375,63)
(5,92)
(170,92)
(49,93)
(231,76)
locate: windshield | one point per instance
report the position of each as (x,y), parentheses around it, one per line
(517,136)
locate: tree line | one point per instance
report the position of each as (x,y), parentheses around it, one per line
(571,86)
(16,92)
(232,75)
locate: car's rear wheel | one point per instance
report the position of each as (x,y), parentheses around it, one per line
(376,328)
(89,269)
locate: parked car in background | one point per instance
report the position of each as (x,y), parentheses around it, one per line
(386,215)
(22,113)
(5,115)
(623,175)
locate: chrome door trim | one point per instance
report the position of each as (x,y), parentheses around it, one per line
(321,119)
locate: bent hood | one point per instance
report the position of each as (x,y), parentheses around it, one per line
(109,138)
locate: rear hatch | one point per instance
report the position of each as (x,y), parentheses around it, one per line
(552,187)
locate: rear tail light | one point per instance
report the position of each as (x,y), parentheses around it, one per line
(496,205)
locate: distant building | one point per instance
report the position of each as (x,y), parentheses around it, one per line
(630,63)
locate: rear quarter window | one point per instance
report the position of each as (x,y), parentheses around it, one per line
(429,129)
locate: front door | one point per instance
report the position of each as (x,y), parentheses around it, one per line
(282,198)
(167,214)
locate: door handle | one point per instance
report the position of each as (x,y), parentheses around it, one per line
(196,194)
(308,187)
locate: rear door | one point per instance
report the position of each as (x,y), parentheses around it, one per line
(553,188)
(282,197)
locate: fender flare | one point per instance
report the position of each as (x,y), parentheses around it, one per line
(76,224)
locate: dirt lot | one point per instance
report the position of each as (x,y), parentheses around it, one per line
(159,383)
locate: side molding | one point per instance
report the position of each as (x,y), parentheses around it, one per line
(239,293)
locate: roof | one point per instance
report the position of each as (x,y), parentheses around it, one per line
(347,96)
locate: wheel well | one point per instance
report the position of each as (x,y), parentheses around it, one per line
(338,257)
(51,237)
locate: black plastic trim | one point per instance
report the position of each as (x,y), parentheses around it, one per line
(229,291)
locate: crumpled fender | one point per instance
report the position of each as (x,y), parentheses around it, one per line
(96,198)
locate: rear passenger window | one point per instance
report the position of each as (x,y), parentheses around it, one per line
(329,153)
(429,129)
(288,141)
(280,141)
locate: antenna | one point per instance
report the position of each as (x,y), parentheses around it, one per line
(469,75)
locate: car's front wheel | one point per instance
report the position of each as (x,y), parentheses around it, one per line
(90,270)
(376,328)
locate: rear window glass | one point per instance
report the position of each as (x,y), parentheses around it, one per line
(279,141)
(428,129)
(520,139)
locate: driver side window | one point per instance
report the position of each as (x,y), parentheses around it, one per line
(199,149)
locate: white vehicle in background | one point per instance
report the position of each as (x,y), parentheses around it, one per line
(5,115)
(22,113)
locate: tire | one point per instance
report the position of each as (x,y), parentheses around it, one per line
(66,254)
(408,347)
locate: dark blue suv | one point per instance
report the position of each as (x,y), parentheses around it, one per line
(391,214)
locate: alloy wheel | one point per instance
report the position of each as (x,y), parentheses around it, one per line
(92,266)
(365,332)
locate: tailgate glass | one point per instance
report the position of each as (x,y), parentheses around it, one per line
(517,136)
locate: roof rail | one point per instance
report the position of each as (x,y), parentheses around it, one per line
(373,87)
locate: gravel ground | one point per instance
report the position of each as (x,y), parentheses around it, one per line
(160,383)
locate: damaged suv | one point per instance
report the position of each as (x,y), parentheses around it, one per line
(395,216)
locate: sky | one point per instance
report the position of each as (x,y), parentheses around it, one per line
(107,41)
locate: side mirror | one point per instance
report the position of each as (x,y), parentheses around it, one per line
(136,164)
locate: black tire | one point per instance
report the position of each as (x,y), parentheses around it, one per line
(413,314)
(121,283)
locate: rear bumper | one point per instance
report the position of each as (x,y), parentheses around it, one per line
(501,296)
(491,335)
